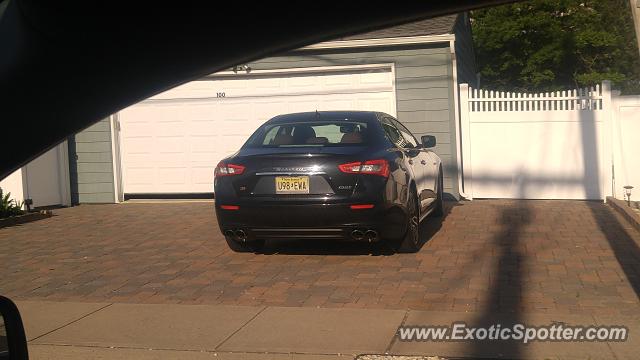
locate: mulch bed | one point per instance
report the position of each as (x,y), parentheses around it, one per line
(28,217)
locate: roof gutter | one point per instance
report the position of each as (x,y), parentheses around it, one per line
(405,40)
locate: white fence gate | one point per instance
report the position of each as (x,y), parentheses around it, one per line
(626,145)
(536,146)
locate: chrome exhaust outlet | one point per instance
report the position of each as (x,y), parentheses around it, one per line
(229,233)
(357,235)
(371,235)
(241,235)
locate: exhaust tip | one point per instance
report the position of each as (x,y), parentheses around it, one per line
(371,235)
(240,234)
(228,233)
(357,235)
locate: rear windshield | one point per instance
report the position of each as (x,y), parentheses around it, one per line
(320,133)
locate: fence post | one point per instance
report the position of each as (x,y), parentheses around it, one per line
(464,164)
(607,113)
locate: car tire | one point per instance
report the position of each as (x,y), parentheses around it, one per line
(410,243)
(438,211)
(247,246)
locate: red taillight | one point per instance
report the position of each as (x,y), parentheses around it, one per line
(350,168)
(229,207)
(369,167)
(361,206)
(228,169)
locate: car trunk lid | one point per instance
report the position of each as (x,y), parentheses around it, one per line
(297,172)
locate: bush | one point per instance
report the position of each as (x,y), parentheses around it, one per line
(8,206)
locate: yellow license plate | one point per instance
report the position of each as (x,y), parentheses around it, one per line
(292,184)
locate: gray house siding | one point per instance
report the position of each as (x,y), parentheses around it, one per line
(425,103)
(424,89)
(91,165)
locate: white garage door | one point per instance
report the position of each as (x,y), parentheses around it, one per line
(171,143)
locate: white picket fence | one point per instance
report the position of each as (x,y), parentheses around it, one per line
(559,145)
(576,99)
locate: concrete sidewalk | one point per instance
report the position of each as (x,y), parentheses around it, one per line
(144,331)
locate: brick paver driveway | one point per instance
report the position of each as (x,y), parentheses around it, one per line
(544,256)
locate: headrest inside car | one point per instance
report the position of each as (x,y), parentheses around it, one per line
(351,138)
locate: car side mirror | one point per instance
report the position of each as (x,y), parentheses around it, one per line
(13,342)
(428,141)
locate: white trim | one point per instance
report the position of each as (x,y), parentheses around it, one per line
(120,159)
(406,40)
(456,111)
(114,126)
(607,172)
(25,184)
(393,89)
(303,70)
(63,170)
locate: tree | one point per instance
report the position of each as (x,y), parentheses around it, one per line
(548,45)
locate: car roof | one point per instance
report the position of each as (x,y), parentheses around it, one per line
(310,116)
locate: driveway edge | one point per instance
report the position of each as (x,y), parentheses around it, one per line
(624,210)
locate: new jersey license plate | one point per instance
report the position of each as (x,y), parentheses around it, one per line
(292,184)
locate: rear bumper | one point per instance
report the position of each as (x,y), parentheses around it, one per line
(344,233)
(311,221)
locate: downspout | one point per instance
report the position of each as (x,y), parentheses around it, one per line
(456,99)
(114,126)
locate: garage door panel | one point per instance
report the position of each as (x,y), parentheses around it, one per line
(156,112)
(210,127)
(343,81)
(138,145)
(172,158)
(137,114)
(302,83)
(204,145)
(336,104)
(136,129)
(199,110)
(302,104)
(201,178)
(172,142)
(139,158)
(208,157)
(263,85)
(232,142)
(169,176)
(175,128)
(376,78)
(140,176)
(232,109)
(265,109)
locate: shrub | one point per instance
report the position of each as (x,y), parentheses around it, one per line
(8,206)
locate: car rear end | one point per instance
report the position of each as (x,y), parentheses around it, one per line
(327,184)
